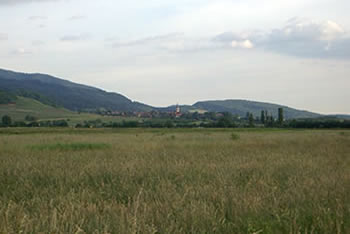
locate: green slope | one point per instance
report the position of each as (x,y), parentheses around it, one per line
(72,96)
(26,106)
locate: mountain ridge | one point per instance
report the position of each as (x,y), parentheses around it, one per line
(241,107)
(70,95)
(80,97)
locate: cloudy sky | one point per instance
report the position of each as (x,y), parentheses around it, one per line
(162,52)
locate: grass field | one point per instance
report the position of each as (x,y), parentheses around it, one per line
(174,181)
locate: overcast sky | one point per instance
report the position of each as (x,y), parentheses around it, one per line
(163,52)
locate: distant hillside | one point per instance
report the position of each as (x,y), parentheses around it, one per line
(64,93)
(241,107)
(6,97)
(339,116)
(172,108)
(59,93)
(21,107)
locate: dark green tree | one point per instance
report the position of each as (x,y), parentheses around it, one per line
(224,122)
(263,117)
(6,120)
(251,120)
(169,124)
(30,118)
(269,121)
(280,116)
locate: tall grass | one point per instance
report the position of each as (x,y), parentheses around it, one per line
(175,182)
(70,146)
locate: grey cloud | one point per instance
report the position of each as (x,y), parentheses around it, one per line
(77,37)
(227,37)
(173,42)
(307,38)
(148,40)
(299,37)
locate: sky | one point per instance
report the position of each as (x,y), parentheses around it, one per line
(162,52)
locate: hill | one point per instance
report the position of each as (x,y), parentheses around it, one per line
(241,107)
(58,92)
(22,107)
(339,116)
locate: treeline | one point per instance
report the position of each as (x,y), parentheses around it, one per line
(138,124)
(221,120)
(320,123)
(30,121)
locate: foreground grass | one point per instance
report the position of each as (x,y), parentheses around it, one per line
(164,181)
(70,146)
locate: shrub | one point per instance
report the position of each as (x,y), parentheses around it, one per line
(235,136)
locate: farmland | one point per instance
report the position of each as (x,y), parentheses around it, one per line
(174,181)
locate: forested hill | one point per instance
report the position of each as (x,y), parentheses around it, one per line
(59,92)
(241,107)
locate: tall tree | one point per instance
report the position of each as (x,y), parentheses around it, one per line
(263,117)
(6,120)
(251,120)
(280,116)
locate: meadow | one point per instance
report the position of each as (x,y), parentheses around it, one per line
(174,181)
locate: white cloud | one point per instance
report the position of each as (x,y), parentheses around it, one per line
(298,37)
(308,38)
(300,28)
(21,51)
(331,30)
(246,44)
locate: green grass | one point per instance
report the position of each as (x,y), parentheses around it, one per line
(174,181)
(70,146)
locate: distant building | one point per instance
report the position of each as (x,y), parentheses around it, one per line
(178,111)
(9,104)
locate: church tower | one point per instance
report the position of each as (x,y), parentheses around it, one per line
(178,111)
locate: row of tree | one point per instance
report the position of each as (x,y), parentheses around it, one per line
(265,118)
(6,121)
(224,120)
